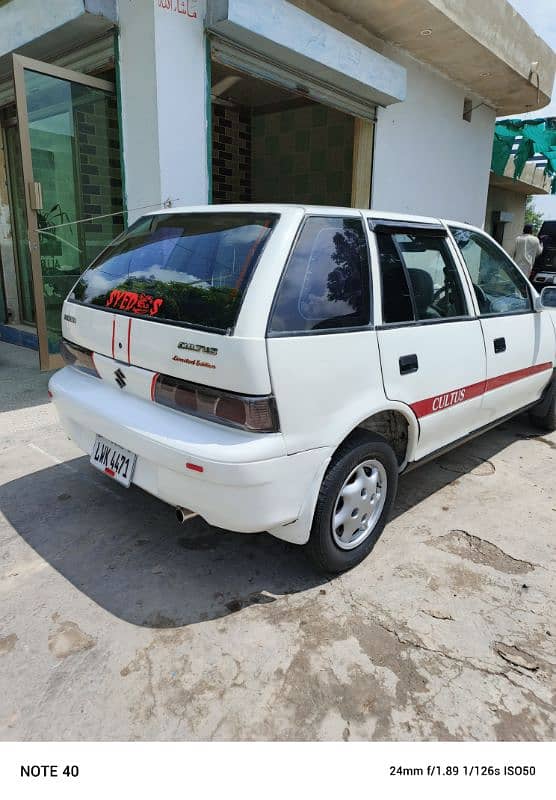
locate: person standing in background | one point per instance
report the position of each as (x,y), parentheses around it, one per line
(527,248)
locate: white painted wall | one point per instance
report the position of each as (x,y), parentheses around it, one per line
(427,159)
(163,103)
(506,200)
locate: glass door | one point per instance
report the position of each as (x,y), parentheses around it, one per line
(70,154)
(18,216)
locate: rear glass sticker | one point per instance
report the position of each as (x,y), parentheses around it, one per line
(134,302)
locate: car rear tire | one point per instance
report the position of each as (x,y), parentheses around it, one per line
(354,503)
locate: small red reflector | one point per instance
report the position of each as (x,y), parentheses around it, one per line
(153,385)
(50,393)
(109,472)
(194,467)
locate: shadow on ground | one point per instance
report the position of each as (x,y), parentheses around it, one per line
(126,551)
(21,383)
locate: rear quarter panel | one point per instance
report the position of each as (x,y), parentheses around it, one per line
(326,385)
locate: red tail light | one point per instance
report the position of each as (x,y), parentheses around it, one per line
(78,357)
(252,413)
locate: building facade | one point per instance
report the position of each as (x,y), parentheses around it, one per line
(523,165)
(109,109)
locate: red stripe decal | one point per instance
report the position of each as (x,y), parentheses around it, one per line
(153,384)
(109,471)
(442,401)
(129,343)
(510,377)
(113,336)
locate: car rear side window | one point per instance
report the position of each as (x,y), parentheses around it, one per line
(419,278)
(191,269)
(326,282)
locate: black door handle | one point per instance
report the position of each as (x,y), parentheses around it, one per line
(500,345)
(408,364)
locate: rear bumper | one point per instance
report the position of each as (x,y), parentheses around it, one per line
(248,482)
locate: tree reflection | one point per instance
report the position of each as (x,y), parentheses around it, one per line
(344,282)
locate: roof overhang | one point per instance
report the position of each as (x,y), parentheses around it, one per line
(51,28)
(287,35)
(485,46)
(531,181)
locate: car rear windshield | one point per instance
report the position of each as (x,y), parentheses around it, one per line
(191,269)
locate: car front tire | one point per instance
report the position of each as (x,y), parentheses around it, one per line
(546,420)
(354,503)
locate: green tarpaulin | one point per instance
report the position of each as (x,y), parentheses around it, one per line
(532,136)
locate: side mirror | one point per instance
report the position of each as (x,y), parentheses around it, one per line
(548,297)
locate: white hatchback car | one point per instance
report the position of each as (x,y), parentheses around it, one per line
(274,368)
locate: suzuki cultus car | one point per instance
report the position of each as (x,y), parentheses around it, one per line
(275,368)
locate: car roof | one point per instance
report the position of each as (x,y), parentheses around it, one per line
(290,208)
(281,208)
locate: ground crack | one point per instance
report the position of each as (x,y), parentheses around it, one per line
(481,551)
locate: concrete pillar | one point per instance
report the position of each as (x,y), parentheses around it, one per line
(164,91)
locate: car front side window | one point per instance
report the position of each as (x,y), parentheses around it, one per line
(419,278)
(500,286)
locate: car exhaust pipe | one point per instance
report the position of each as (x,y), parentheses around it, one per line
(183,514)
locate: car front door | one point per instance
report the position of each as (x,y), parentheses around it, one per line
(430,341)
(519,342)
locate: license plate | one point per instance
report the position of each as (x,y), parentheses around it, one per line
(113,460)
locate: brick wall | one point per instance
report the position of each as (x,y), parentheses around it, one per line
(231,154)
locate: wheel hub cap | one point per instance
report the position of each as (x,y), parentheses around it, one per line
(359,504)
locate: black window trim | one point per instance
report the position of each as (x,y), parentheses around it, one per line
(273,215)
(370,326)
(484,235)
(386,326)
(427,229)
(434,229)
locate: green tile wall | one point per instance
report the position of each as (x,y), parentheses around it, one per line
(302,155)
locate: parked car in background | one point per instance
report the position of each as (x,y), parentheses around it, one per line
(275,367)
(544,269)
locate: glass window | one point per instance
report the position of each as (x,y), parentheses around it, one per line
(188,268)
(397,303)
(326,283)
(500,286)
(419,279)
(75,155)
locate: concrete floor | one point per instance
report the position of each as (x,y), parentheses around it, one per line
(117,623)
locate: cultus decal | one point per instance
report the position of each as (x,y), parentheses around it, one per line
(198,348)
(450,399)
(134,302)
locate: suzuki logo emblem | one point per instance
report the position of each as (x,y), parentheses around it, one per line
(120,378)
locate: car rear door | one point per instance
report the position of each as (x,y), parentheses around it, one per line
(519,342)
(431,345)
